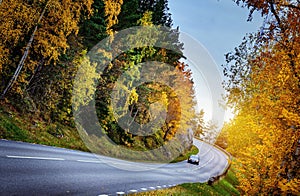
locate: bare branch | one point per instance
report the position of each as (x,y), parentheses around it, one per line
(274,12)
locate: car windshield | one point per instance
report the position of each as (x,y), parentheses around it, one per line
(194,156)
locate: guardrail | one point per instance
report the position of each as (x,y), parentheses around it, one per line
(216,178)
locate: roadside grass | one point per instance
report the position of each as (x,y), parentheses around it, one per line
(224,187)
(22,128)
(17,128)
(14,126)
(161,155)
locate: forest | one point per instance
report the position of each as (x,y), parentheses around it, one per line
(48,75)
(45,43)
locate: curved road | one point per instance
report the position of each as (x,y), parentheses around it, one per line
(31,169)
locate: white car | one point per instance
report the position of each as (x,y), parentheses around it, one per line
(194,159)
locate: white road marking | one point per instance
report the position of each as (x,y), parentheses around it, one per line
(159,187)
(89,161)
(103,195)
(133,191)
(38,158)
(120,193)
(206,163)
(151,188)
(164,186)
(144,189)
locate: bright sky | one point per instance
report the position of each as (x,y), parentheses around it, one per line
(219,25)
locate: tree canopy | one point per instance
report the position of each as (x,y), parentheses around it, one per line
(43,45)
(264,86)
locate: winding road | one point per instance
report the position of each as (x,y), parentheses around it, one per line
(31,169)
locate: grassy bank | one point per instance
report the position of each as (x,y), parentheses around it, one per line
(26,128)
(224,187)
(23,128)
(19,128)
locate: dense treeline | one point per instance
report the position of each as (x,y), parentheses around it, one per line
(43,43)
(264,87)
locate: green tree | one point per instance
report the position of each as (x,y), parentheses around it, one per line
(93,29)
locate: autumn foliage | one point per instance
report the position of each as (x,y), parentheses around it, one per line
(264,89)
(44,44)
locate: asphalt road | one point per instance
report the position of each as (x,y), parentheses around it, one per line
(31,169)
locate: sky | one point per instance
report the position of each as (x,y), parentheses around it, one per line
(217,25)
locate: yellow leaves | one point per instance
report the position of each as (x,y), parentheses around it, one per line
(105,57)
(55,20)
(16,19)
(85,83)
(50,46)
(259,142)
(290,187)
(264,133)
(242,133)
(133,97)
(61,20)
(3,57)
(284,74)
(292,118)
(164,99)
(146,20)
(112,9)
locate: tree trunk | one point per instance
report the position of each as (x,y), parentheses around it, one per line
(21,63)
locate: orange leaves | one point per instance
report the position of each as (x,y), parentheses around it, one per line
(290,187)
(292,118)
(265,133)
